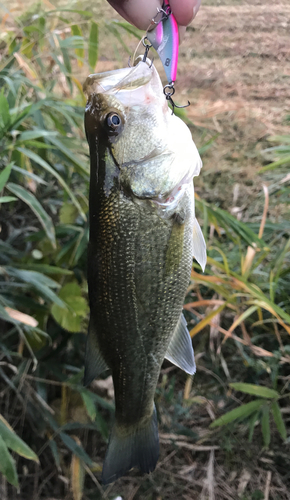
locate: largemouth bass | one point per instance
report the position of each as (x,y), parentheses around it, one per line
(143,236)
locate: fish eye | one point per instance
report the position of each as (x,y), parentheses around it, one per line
(113,123)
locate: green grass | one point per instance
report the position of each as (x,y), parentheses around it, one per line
(238,310)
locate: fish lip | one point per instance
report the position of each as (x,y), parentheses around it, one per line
(120,79)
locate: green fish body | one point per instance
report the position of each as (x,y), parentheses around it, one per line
(143,236)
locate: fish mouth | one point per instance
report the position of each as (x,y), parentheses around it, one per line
(118,80)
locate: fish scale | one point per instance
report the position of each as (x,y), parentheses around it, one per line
(123,281)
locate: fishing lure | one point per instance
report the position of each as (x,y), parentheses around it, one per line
(164,38)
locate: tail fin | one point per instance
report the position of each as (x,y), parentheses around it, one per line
(139,449)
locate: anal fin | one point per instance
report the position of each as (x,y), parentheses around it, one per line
(180,350)
(94,361)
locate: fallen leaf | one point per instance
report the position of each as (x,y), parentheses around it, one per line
(22,317)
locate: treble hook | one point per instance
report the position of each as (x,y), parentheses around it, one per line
(147,46)
(169,91)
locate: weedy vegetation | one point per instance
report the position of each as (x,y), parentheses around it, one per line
(234,414)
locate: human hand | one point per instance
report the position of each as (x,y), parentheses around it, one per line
(141,12)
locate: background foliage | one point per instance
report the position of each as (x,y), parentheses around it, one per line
(53,430)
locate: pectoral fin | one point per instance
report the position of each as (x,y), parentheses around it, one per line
(180,351)
(94,361)
(199,246)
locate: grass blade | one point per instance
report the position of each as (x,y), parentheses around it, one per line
(14,442)
(29,135)
(39,281)
(7,464)
(70,155)
(46,269)
(241,412)
(255,390)
(279,420)
(275,164)
(31,175)
(242,317)
(80,52)
(89,404)
(93,44)
(266,426)
(4,112)
(205,321)
(77,475)
(4,176)
(29,198)
(129,28)
(75,448)
(83,13)
(7,199)
(226,220)
(37,159)
(252,423)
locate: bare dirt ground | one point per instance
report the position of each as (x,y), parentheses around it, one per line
(235,70)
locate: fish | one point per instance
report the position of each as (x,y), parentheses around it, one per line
(143,237)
